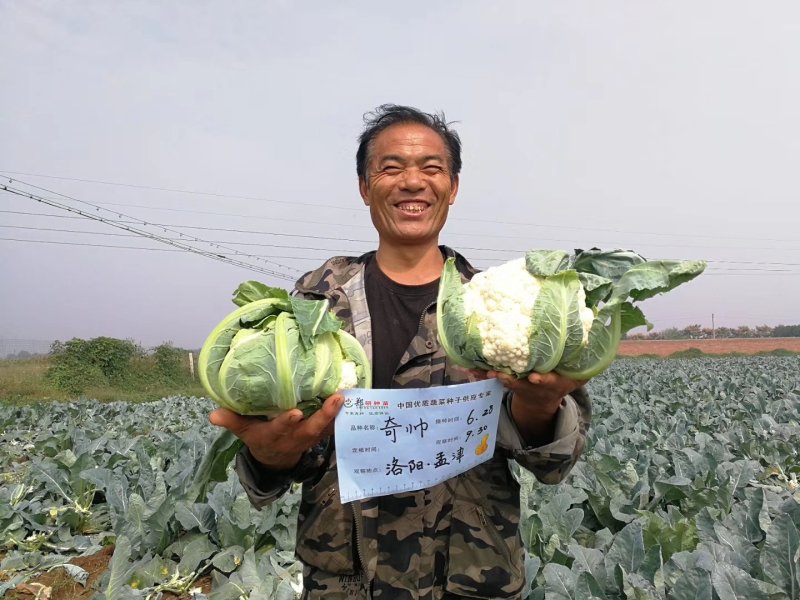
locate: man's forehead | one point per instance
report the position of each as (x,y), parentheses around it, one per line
(409,135)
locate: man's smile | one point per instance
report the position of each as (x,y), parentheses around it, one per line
(412,207)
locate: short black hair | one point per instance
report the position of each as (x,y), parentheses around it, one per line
(387,115)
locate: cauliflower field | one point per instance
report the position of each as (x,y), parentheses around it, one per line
(689,489)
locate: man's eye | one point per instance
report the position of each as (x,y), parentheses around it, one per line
(433,169)
(391,169)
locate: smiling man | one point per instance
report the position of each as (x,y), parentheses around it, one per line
(409,186)
(457,539)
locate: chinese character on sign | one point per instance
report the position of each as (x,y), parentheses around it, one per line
(422,427)
(389,429)
(441,460)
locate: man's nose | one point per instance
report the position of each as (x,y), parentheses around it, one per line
(412,179)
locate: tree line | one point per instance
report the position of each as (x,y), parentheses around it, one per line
(698,332)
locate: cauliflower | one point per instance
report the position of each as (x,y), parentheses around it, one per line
(349,378)
(550,310)
(277,352)
(502,299)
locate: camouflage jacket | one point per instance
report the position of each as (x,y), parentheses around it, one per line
(457,539)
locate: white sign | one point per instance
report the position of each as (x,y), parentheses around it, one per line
(400,440)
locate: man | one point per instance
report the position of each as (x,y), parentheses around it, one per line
(459,538)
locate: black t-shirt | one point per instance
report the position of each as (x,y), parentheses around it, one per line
(396,311)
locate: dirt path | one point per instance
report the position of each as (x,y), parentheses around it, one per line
(58,585)
(719,346)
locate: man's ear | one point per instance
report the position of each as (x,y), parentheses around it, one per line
(363,189)
(454,191)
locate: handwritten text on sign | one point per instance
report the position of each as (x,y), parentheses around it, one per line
(400,440)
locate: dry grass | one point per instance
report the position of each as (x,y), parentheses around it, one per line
(23,381)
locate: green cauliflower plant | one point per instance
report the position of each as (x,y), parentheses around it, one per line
(277,352)
(551,311)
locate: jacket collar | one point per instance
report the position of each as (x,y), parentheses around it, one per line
(339,270)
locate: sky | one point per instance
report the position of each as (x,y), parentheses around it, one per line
(668,128)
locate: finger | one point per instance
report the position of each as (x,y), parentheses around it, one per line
(315,426)
(536,378)
(477,375)
(288,419)
(223,417)
(504,378)
(556,379)
(239,424)
(549,379)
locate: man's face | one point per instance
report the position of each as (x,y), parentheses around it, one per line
(409,188)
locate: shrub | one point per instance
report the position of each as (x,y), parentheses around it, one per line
(79,364)
(688,353)
(169,362)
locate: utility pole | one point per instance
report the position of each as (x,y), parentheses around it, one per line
(713,329)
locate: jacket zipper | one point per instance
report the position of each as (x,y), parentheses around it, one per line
(359,540)
(491,530)
(356,521)
(422,316)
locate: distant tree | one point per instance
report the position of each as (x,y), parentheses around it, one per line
(673,333)
(763,331)
(636,336)
(786,331)
(697,332)
(693,332)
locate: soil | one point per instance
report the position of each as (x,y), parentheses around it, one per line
(58,585)
(718,346)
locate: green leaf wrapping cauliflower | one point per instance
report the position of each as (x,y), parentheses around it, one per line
(503,302)
(550,311)
(277,352)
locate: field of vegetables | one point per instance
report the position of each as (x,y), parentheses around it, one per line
(689,489)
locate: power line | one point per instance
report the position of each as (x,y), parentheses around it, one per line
(711,271)
(213,254)
(239,216)
(337,250)
(343,251)
(90,245)
(206,228)
(178,244)
(227,242)
(337,238)
(293,203)
(179,191)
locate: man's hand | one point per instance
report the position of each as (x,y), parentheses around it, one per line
(535,402)
(279,443)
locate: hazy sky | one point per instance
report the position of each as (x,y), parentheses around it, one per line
(670,128)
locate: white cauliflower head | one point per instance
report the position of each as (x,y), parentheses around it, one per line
(502,300)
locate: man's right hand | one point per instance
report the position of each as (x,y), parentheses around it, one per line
(279,443)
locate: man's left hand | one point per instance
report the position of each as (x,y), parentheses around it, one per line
(535,402)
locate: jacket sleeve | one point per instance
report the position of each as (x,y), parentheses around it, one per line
(552,462)
(263,486)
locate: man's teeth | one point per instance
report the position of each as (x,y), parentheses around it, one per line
(415,208)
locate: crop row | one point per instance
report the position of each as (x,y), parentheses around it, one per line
(688,489)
